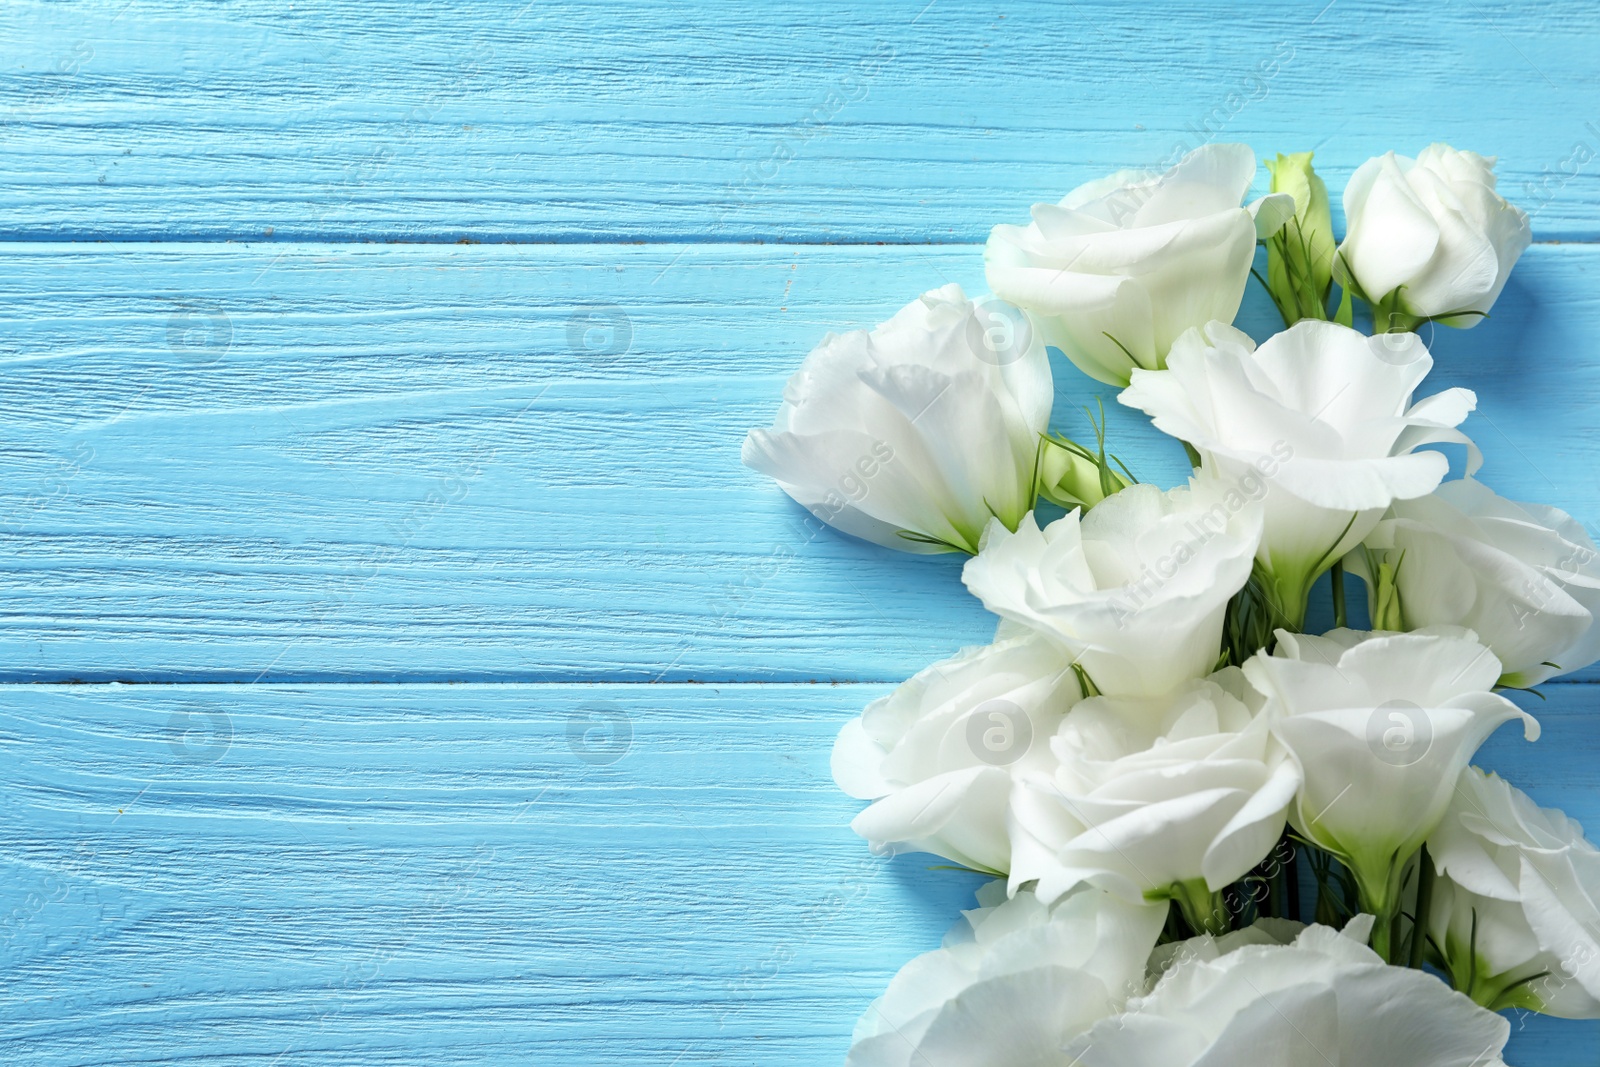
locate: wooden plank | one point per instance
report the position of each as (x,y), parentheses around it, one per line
(317,463)
(832,121)
(348,874)
(361,872)
(400,466)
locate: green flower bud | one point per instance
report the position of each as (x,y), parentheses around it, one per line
(1386,601)
(1072,476)
(1300,256)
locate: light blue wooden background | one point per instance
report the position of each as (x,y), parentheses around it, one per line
(399,666)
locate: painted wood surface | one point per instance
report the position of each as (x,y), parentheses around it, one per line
(359,874)
(462,874)
(449,463)
(905,120)
(401,528)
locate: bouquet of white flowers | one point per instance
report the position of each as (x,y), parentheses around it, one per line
(1152,756)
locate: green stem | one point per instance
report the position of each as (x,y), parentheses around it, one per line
(1336,576)
(1287,612)
(1419,927)
(1388,317)
(1274,905)
(1382,902)
(1291,880)
(1382,937)
(1203,910)
(1174,930)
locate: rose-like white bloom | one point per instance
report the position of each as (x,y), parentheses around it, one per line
(1325,1000)
(1519,889)
(1321,417)
(1169,797)
(1134,591)
(1381,726)
(1430,237)
(940,754)
(915,434)
(1123,265)
(1014,981)
(1524,577)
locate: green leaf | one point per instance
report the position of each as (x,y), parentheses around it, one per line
(1085,683)
(928,539)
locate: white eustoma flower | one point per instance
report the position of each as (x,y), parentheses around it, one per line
(1134,591)
(939,756)
(1430,237)
(1381,726)
(1157,798)
(1014,981)
(917,433)
(1324,1000)
(1322,416)
(1516,908)
(1123,265)
(1524,577)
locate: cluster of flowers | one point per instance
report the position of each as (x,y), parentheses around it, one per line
(1151,754)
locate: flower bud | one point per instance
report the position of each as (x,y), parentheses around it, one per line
(1300,256)
(1429,238)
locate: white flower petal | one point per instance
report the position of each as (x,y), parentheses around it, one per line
(1135,591)
(1317,423)
(940,754)
(1152,791)
(1271,212)
(923,425)
(1525,579)
(1380,735)
(1517,903)
(1015,981)
(1322,999)
(1123,266)
(1431,234)
(1389,234)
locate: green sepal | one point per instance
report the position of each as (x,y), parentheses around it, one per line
(1205,911)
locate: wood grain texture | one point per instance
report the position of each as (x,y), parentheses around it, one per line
(906,120)
(357,874)
(401,466)
(503,478)
(469,874)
